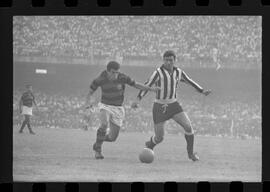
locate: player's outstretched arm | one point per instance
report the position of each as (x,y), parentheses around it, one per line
(148,85)
(145,87)
(185,78)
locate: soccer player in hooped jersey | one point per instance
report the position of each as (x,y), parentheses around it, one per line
(112,113)
(26,106)
(166,106)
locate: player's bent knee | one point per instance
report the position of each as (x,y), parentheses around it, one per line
(189,131)
(158,140)
(114,136)
(111,138)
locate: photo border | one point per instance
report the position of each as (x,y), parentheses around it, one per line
(122,7)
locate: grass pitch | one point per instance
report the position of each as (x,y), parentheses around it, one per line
(66,155)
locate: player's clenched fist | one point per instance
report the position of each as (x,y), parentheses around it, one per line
(206,92)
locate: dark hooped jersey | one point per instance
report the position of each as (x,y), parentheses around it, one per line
(168,84)
(112,91)
(27,99)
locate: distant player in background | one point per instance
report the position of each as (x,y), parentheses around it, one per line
(112,114)
(26,107)
(166,106)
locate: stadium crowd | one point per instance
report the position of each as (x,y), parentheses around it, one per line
(200,38)
(216,118)
(234,41)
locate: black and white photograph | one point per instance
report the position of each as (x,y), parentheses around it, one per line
(137,98)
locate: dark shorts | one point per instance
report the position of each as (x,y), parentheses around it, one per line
(163,113)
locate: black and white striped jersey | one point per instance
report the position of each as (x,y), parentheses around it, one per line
(168,82)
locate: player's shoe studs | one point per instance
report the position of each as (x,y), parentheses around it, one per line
(193,157)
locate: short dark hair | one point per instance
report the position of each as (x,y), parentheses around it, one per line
(169,53)
(113,65)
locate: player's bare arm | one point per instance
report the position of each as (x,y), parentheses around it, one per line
(186,79)
(153,78)
(136,102)
(142,87)
(145,87)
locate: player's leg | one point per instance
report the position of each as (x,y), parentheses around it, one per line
(23,124)
(159,117)
(116,119)
(113,132)
(29,124)
(158,137)
(101,132)
(183,120)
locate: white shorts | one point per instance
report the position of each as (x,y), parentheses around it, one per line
(116,113)
(27,110)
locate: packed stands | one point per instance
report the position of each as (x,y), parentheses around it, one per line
(199,41)
(230,40)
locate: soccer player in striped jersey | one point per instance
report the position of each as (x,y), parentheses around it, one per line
(26,106)
(166,106)
(112,113)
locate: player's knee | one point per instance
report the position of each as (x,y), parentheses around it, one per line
(158,139)
(188,130)
(101,132)
(113,138)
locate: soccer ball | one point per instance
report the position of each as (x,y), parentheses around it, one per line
(146,156)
